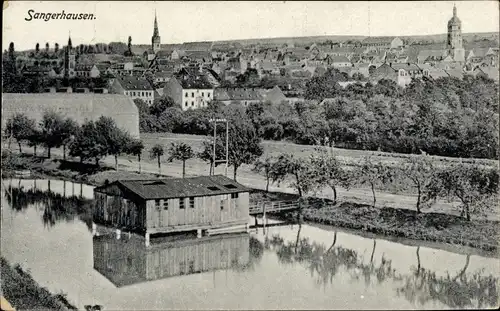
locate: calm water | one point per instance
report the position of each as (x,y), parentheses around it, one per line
(291,267)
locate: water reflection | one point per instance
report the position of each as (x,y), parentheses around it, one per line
(475,290)
(55,206)
(310,266)
(128,261)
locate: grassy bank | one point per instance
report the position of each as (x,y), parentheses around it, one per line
(24,293)
(433,227)
(436,227)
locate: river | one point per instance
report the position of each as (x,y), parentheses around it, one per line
(279,267)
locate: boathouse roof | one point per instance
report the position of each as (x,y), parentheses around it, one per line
(150,189)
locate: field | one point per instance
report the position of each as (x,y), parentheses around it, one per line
(272,148)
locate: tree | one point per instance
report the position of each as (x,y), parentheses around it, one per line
(182,152)
(328,171)
(472,184)
(160,105)
(300,169)
(67,132)
(420,170)
(207,153)
(35,139)
(266,166)
(372,173)
(51,125)
(47,47)
(115,138)
(135,147)
(56,48)
(20,127)
(156,152)
(11,51)
(37,48)
(244,144)
(89,143)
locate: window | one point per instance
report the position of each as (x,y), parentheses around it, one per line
(192,104)
(234,195)
(187,94)
(142,93)
(192,94)
(191,202)
(213,188)
(230,186)
(157,204)
(208,95)
(165,205)
(202,94)
(181,203)
(186,104)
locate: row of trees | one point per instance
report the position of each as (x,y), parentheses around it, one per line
(448,117)
(93,140)
(472,184)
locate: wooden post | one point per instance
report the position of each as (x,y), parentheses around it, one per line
(256,223)
(147,239)
(94,229)
(198,233)
(118,234)
(264,215)
(247,228)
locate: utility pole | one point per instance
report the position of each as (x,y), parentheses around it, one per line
(215,161)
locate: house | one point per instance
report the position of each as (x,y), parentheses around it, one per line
(402,74)
(486,72)
(190,88)
(274,95)
(162,76)
(339,61)
(128,261)
(89,71)
(483,55)
(383,42)
(172,205)
(134,87)
(243,96)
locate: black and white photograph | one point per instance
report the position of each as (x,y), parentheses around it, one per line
(250,155)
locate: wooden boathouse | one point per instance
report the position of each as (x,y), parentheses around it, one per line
(128,261)
(172,205)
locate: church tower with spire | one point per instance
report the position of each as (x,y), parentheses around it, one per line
(155,39)
(454,41)
(69,60)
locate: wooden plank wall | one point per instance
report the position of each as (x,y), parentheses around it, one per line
(217,254)
(206,210)
(117,211)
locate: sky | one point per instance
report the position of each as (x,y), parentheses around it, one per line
(187,21)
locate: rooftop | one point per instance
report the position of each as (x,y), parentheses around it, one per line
(179,187)
(134,83)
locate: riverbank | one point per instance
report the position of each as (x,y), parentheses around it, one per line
(24,293)
(388,221)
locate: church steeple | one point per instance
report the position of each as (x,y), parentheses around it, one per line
(454,42)
(155,39)
(156,33)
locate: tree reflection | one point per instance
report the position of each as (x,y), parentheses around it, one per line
(56,208)
(420,286)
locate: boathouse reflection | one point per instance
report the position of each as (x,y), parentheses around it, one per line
(128,261)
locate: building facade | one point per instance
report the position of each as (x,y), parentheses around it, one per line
(172,205)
